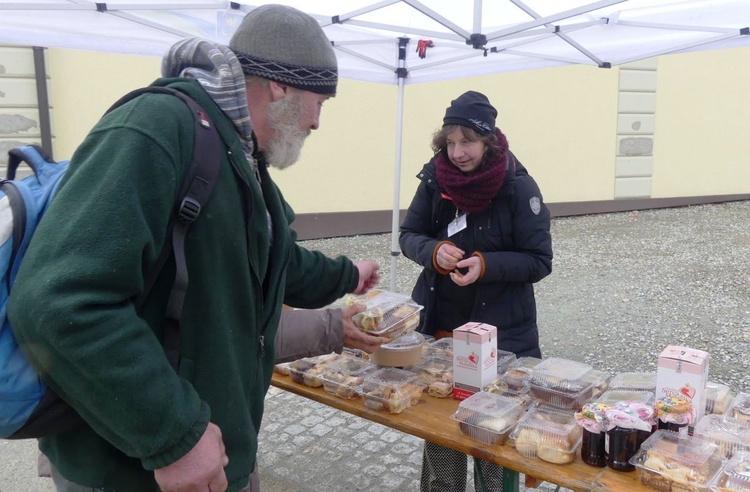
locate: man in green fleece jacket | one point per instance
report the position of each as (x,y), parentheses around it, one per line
(146,427)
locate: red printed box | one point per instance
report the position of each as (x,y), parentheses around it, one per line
(683,372)
(474,358)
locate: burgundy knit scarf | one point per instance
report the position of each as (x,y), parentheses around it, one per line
(472,192)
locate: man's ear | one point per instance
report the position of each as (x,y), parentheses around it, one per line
(278,90)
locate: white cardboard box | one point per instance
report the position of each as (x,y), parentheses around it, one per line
(683,372)
(474,358)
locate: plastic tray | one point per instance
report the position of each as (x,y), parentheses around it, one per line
(344,377)
(307,371)
(386,314)
(740,407)
(730,435)
(563,383)
(504,360)
(519,372)
(734,475)
(440,348)
(500,386)
(547,433)
(718,398)
(668,461)
(487,418)
(436,373)
(612,396)
(635,381)
(391,390)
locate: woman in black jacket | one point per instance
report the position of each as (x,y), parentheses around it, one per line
(479,227)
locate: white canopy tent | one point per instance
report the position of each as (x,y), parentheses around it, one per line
(378,41)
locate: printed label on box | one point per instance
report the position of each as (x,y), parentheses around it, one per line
(683,372)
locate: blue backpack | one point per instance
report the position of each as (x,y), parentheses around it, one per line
(28,408)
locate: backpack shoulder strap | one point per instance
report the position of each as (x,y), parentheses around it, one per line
(194,193)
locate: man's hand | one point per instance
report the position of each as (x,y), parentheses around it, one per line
(353,336)
(201,470)
(448,257)
(368,276)
(474,264)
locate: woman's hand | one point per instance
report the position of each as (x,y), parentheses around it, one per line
(448,257)
(474,265)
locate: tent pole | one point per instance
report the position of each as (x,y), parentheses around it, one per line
(401,73)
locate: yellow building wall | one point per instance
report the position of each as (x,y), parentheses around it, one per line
(702,143)
(561,124)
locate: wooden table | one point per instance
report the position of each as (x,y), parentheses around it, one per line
(430,420)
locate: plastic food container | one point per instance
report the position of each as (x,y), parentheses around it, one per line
(730,435)
(612,396)
(740,407)
(718,398)
(519,372)
(403,351)
(440,348)
(504,360)
(734,476)
(635,381)
(500,386)
(487,418)
(562,383)
(668,461)
(307,371)
(600,381)
(344,377)
(549,434)
(391,390)
(436,373)
(386,314)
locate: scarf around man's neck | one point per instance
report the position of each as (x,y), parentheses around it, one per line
(472,192)
(218,71)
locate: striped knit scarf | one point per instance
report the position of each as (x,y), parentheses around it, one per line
(472,192)
(218,71)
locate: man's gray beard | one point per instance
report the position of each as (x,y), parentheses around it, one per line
(285,117)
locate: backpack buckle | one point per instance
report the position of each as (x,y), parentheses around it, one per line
(190,208)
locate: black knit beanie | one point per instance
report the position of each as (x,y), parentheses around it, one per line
(472,110)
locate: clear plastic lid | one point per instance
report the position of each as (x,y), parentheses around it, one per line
(740,407)
(677,458)
(562,374)
(718,397)
(391,389)
(521,368)
(730,435)
(613,396)
(504,360)
(488,412)
(308,370)
(386,313)
(388,377)
(351,366)
(501,386)
(405,342)
(638,381)
(734,475)
(440,348)
(551,424)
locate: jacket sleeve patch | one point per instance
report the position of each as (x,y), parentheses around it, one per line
(536,204)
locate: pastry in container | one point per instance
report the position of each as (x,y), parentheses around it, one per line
(519,372)
(500,386)
(730,435)
(636,381)
(718,398)
(307,371)
(440,348)
(600,381)
(436,373)
(547,433)
(668,461)
(740,407)
(734,475)
(504,360)
(344,377)
(391,390)
(487,417)
(562,383)
(401,352)
(386,314)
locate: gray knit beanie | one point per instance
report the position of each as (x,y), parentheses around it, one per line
(284,44)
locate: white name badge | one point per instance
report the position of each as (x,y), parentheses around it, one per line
(458,224)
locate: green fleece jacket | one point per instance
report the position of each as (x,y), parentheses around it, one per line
(72,306)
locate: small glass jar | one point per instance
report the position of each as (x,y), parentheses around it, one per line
(592,448)
(621,444)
